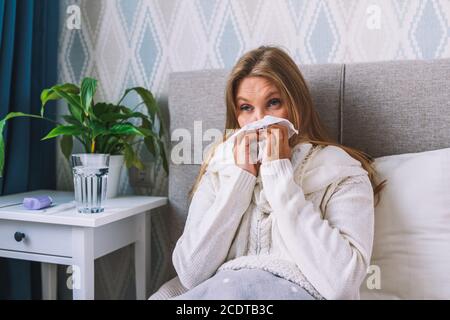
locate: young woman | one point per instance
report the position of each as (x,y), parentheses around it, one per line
(297,225)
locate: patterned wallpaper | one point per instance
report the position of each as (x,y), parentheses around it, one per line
(125,43)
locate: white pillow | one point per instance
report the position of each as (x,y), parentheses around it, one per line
(412,228)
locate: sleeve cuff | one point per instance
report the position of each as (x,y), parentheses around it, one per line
(281,167)
(245,181)
(281,189)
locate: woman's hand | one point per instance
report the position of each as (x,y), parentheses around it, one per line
(245,152)
(277,143)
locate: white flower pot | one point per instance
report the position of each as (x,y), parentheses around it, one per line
(115,170)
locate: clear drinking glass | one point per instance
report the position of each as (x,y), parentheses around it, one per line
(90,177)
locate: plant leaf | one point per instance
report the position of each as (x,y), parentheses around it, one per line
(70,98)
(77,113)
(20,114)
(148,133)
(150,144)
(71,120)
(67,146)
(98,128)
(128,155)
(160,149)
(88,89)
(138,163)
(125,129)
(51,94)
(2,147)
(112,117)
(154,145)
(149,101)
(131,158)
(101,108)
(151,104)
(74,103)
(165,163)
(2,141)
(111,145)
(64,130)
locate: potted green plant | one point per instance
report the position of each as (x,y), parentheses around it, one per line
(101,127)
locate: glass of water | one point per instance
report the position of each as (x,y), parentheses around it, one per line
(90,177)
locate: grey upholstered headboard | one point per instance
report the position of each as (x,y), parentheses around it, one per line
(382,108)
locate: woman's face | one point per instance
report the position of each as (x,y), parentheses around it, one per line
(256,98)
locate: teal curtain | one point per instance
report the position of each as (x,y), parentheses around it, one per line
(28,64)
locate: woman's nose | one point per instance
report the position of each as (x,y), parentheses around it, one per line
(260,114)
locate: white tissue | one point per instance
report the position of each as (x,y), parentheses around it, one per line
(263,124)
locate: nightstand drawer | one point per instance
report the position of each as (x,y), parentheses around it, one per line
(39,238)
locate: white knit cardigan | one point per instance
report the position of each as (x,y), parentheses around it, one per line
(309,220)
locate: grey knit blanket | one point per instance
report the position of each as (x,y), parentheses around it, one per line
(246,284)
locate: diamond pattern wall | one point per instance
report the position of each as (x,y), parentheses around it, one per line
(126,43)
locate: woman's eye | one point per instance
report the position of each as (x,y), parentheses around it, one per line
(245,107)
(274,102)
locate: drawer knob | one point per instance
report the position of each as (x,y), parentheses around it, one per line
(19,236)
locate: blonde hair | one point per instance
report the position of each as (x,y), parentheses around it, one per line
(276,65)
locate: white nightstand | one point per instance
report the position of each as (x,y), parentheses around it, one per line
(76,240)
